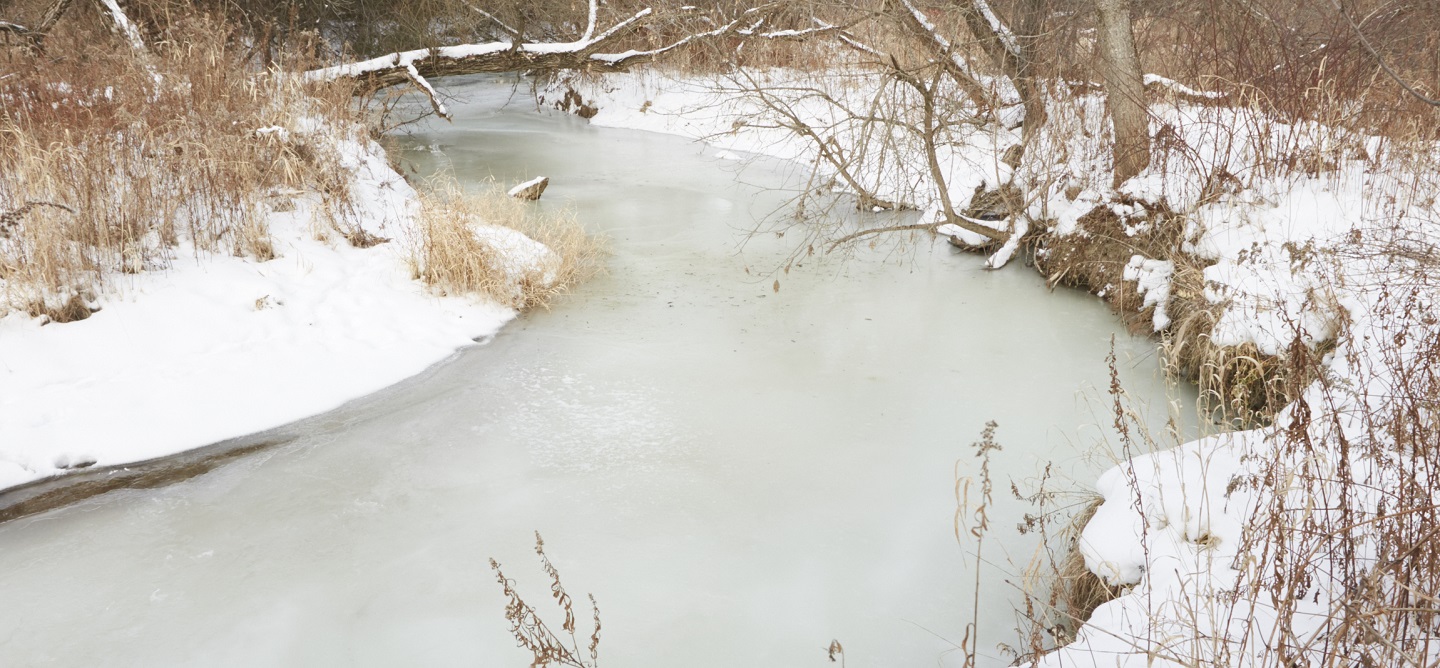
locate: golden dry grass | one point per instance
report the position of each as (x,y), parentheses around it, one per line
(149,157)
(449,255)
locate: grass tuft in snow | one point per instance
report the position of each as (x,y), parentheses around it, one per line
(490,244)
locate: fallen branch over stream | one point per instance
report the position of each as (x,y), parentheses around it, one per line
(595,51)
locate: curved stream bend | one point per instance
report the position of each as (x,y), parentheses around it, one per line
(739,475)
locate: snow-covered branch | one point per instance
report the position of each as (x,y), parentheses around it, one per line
(953,62)
(428,90)
(591,53)
(592,21)
(14,28)
(1001,31)
(122,25)
(512,32)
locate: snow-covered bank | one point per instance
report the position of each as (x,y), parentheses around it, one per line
(1293,237)
(216,346)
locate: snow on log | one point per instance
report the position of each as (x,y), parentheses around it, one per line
(530,190)
(124,26)
(591,53)
(1154,81)
(6,26)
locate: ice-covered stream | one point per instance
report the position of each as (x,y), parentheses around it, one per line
(738,475)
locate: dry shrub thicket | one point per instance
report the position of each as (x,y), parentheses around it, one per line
(1338,563)
(1348,558)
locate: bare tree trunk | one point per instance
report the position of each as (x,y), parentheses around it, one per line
(52,15)
(1124,88)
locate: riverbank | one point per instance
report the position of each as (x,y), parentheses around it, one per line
(1298,289)
(216,347)
(194,248)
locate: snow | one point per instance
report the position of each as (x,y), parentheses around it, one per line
(1152,281)
(1157,80)
(520,255)
(1007,250)
(713,111)
(217,347)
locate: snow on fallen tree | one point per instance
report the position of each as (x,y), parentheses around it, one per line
(595,51)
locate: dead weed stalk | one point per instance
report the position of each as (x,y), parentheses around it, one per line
(536,636)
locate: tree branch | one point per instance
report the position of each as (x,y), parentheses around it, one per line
(516,55)
(15,29)
(429,92)
(946,55)
(1374,53)
(36,37)
(513,33)
(928,227)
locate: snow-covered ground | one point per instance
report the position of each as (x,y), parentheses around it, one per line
(1288,254)
(216,347)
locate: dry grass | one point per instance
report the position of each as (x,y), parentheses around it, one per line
(455,254)
(146,164)
(1076,590)
(1060,592)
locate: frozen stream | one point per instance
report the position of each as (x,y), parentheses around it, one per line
(738,475)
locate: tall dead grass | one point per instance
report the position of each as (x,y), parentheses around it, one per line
(472,243)
(148,159)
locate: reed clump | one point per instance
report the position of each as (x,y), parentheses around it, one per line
(494,245)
